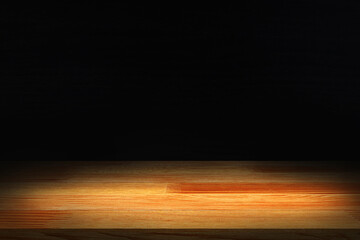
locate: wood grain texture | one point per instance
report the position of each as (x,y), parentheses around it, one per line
(179,234)
(180,195)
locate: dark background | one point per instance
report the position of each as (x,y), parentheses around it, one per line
(101,80)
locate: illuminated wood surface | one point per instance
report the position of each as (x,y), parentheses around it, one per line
(180,195)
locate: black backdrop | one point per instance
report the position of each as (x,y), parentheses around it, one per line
(101,80)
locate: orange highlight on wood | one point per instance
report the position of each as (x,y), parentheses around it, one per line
(308,188)
(176,195)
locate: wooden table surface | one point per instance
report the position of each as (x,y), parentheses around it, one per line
(180,195)
(179,234)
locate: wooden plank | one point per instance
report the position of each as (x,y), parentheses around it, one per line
(178,219)
(179,234)
(306,202)
(195,194)
(267,187)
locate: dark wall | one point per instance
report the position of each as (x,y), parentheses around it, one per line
(261,80)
